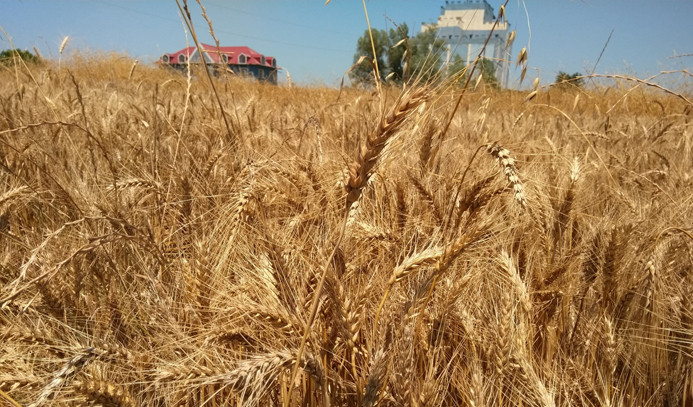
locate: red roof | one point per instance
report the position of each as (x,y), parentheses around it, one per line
(232,53)
(185,51)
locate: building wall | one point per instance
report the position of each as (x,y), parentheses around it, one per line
(261,73)
(465,26)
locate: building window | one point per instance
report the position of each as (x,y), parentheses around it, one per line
(263,61)
(242,59)
(274,62)
(225,58)
(182,59)
(165,58)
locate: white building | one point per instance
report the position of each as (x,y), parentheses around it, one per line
(465,26)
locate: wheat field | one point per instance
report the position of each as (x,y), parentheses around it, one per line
(342,248)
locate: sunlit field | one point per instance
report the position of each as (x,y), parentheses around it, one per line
(318,246)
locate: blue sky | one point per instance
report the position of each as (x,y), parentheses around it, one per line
(316,42)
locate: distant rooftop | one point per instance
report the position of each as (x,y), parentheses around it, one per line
(469,15)
(469,29)
(467,5)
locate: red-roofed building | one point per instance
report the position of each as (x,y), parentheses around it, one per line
(241,60)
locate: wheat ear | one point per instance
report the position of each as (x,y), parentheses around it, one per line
(252,377)
(359,173)
(507,164)
(108,393)
(11,194)
(72,367)
(440,257)
(361,170)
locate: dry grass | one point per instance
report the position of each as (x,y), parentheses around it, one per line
(538,253)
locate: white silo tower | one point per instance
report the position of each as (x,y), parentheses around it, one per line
(465,25)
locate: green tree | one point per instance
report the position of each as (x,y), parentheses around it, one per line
(487,70)
(427,52)
(399,43)
(564,79)
(7,56)
(457,68)
(363,73)
(416,57)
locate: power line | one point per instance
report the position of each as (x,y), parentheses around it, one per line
(279,20)
(222,30)
(132,10)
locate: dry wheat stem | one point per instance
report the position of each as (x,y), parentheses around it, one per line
(9,195)
(314,310)
(9,399)
(188,21)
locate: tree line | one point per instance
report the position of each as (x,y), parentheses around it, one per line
(7,57)
(401,58)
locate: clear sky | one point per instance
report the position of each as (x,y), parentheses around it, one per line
(316,43)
